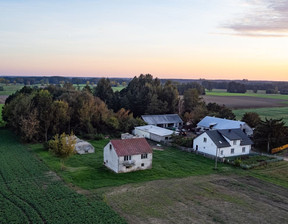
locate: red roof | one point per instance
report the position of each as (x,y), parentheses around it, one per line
(133,146)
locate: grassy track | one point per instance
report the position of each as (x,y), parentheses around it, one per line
(273,112)
(87,171)
(31,193)
(262,95)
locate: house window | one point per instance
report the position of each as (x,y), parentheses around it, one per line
(234,142)
(110,146)
(144,156)
(126,158)
(166,138)
(205,140)
(243,149)
(142,164)
(221,152)
(232,151)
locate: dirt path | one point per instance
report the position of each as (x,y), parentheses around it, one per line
(207,199)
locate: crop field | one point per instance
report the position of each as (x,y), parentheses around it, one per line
(31,193)
(273,112)
(260,94)
(10,89)
(88,172)
(204,199)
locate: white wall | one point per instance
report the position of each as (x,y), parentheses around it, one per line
(147,163)
(142,133)
(111,158)
(209,147)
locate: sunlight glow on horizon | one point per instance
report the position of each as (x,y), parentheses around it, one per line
(168,39)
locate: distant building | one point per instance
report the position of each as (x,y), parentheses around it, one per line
(128,155)
(154,133)
(223,143)
(215,123)
(163,120)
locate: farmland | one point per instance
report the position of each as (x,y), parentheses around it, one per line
(273,112)
(204,199)
(87,171)
(31,193)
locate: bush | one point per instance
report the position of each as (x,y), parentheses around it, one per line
(182,141)
(1,88)
(63,146)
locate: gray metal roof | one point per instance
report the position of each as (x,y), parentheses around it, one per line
(155,130)
(162,119)
(219,123)
(236,134)
(218,139)
(217,136)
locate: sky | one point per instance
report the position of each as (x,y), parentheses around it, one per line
(188,39)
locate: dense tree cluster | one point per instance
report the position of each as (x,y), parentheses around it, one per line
(143,95)
(37,115)
(235,87)
(270,133)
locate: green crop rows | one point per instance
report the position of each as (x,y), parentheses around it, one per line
(31,193)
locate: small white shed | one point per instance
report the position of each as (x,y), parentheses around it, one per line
(154,133)
(128,155)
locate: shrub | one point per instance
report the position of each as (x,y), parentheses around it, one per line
(1,88)
(63,146)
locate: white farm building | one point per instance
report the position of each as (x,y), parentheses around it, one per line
(126,155)
(223,143)
(154,133)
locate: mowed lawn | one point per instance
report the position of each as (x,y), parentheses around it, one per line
(31,193)
(87,171)
(273,112)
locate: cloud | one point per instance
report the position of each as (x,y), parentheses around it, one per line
(264,18)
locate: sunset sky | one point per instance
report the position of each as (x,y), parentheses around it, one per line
(212,39)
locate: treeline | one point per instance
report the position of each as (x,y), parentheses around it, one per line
(37,115)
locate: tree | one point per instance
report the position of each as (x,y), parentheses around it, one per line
(251,118)
(104,91)
(271,133)
(235,87)
(63,146)
(43,102)
(191,100)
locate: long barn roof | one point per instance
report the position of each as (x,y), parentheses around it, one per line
(162,119)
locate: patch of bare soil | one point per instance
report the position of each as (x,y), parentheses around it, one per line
(206,199)
(2,99)
(238,102)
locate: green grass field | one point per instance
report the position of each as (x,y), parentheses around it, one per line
(273,112)
(88,171)
(10,89)
(31,193)
(218,92)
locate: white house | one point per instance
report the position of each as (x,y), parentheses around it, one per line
(163,120)
(154,133)
(215,123)
(126,155)
(223,143)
